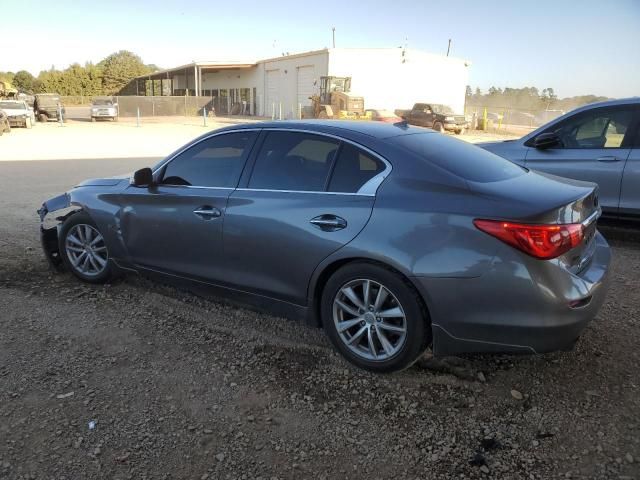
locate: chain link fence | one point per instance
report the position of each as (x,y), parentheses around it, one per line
(162,106)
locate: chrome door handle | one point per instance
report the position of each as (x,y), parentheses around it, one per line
(609,158)
(328,223)
(207,212)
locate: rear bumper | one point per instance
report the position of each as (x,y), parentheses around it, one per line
(455,127)
(530,307)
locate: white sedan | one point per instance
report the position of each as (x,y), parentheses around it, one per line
(18,113)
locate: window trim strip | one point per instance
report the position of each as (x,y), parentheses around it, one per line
(369,189)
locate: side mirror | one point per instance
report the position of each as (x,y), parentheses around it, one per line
(547,140)
(142,178)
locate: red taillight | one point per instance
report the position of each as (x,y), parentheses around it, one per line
(540,241)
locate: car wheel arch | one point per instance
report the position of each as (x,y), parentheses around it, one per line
(321,277)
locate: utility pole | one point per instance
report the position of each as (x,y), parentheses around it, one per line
(333,31)
(449,47)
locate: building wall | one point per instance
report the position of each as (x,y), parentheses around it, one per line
(387,79)
(284,71)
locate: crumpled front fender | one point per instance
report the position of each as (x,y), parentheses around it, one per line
(53,204)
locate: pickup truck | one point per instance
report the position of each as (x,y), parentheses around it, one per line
(439,117)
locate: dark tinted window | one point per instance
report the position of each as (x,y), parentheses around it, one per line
(293,161)
(601,128)
(216,162)
(353,169)
(460,158)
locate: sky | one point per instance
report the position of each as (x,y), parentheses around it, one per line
(575,47)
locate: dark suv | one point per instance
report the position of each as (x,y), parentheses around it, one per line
(47,106)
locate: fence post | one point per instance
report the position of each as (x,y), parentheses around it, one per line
(484,119)
(500,121)
(153,106)
(273,111)
(204,115)
(60,115)
(137,116)
(185,105)
(299,111)
(280,115)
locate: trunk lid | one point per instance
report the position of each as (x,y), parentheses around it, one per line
(544,199)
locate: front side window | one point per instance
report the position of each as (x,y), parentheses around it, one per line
(215,162)
(293,161)
(603,128)
(353,169)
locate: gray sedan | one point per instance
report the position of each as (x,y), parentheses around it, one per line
(599,143)
(390,237)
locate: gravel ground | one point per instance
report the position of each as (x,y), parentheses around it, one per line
(137,380)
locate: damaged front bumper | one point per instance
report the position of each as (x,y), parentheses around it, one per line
(49,235)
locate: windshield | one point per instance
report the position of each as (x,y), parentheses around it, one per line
(102,102)
(9,105)
(442,109)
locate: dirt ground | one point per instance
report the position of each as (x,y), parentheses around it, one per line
(136,380)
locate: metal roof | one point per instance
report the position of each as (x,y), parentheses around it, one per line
(370,128)
(214,65)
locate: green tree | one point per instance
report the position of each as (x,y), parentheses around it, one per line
(6,77)
(23,81)
(119,68)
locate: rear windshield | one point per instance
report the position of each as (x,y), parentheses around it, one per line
(460,158)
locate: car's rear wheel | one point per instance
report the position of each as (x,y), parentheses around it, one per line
(374,317)
(83,249)
(43,118)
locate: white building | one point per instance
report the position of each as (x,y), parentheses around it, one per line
(387,78)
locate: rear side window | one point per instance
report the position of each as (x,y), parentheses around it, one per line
(460,158)
(353,169)
(293,161)
(215,162)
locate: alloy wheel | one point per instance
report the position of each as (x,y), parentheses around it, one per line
(369,320)
(86,250)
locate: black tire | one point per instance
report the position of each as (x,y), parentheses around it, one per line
(438,127)
(418,326)
(76,219)
(42,117)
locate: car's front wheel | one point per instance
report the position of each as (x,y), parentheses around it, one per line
(83,249)
(374,317)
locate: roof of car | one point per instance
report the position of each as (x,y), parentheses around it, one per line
(372,129)
(613,102)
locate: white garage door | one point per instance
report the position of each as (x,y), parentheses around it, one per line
(305,84)
(272,96)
